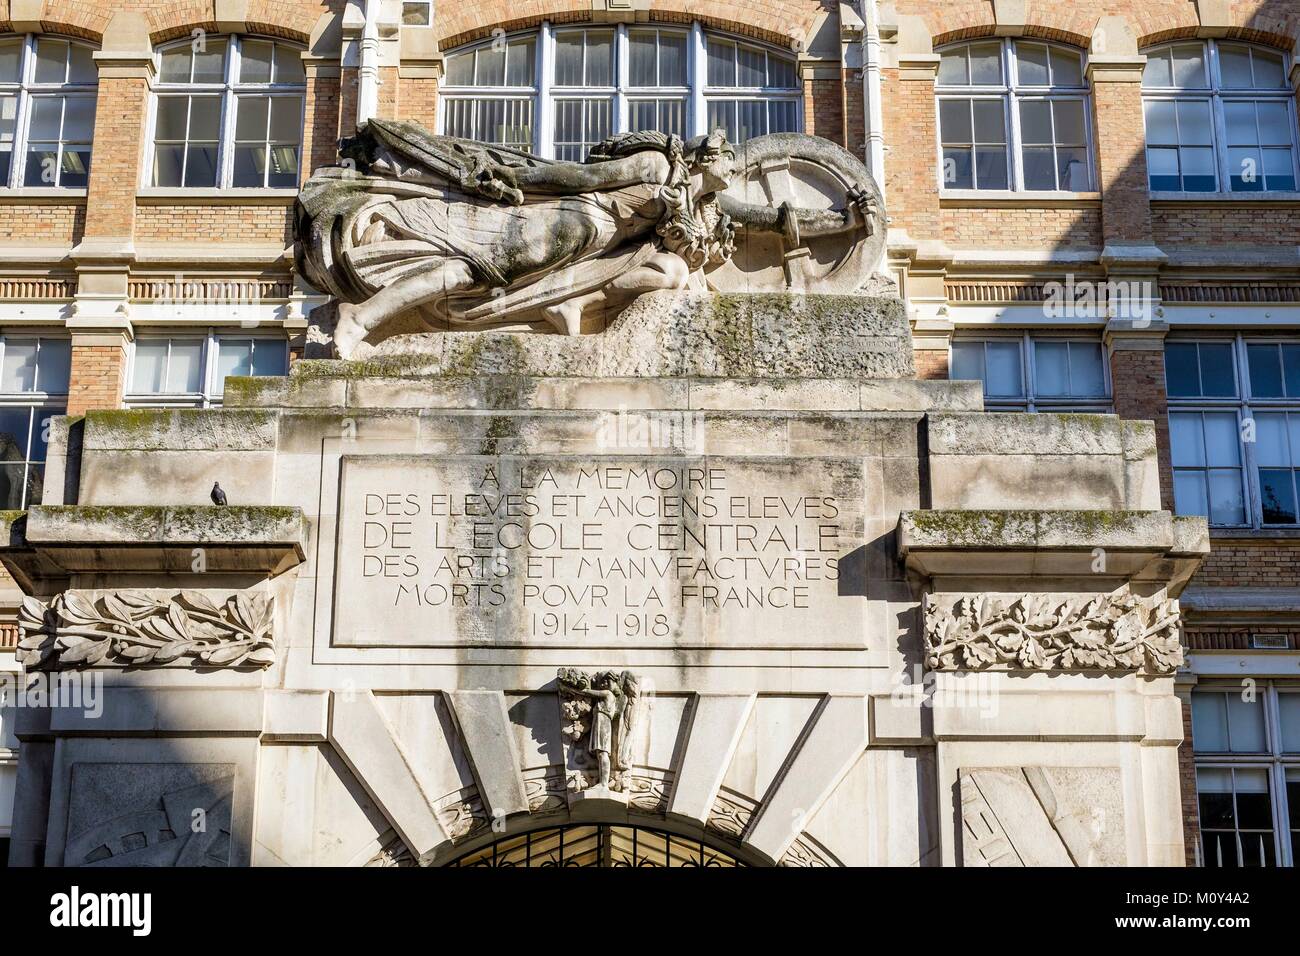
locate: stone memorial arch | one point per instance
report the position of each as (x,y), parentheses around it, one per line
(630,538)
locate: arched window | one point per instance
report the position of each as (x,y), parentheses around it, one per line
(228,112)
(1219,118)
(47,112)
(1013,115)
(560,90)
(599,845)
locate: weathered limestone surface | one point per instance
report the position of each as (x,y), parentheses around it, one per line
(806,609)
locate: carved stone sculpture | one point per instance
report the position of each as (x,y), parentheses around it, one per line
(136,627)
(472,235)
(1042,816)
(1054,632)
(599,715)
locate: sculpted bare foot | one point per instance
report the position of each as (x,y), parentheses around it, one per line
(566,317)
(348,332)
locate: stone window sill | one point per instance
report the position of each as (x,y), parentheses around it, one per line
(1028,199)
(1255,534)
(1215,198)
(215,196)
(44,193)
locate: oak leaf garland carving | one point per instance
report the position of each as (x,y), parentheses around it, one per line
(1054,632)
(134,627)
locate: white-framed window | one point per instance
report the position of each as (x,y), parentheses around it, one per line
(1246,746)
(1234,428)
(1219,117)
(34,373)
(47,111)
(1035,372)
(228,112)
(1014,115)
(417,13)
(560,90)
(190,368)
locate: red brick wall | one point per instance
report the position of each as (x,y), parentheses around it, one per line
(1139,390)
(98,377)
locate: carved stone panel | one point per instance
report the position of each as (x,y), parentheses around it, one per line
(1110,632)
(1042,816)
(146,627)
(164,814)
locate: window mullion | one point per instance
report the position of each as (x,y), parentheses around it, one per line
(545,146)
(697,114)
(622,76)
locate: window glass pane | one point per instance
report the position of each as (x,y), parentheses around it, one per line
(600,58)
(1072,169)
(286,118)
(1209,722)
(1031,60)
(81,64)
(1271,445)
(968,361)
(1218,378)
(1087,377)
(1182,376)
(991,167)
(149,365)
(990,121)
(42,168)
(780,72)
(783,116)
(1268,70)
(672,59)
(1291,369)
(958,170)
(1194,123)
(1198,169)
(46,118)
(51,60)
(176,63)
(643,58)
(1162,164)
(1246,724)
(1239,121)
(171,114)
(751,66)
(1277,496)
(234,357)
(1039,165)
(1067,68)
(78,119)
(249,171)
(210,61)
(490,67)
(11,51)
(460,69)
(1186,440)
(12,486)
(954,121)
(1279,169)
(1222,439)
(1161,123)
(751,119)
(1052,369)
(185,366)
(255,58)
(250,118)
(53,366)
(1002,366)
(952,68)
(722,63)
(1036,121)
(270,357)
(1234,66)
(723,115)
(1068,115)
(288,65)
(15,426)
(19,370)
(1244,172)
(1265,371)
(205,118)
(1157,74)
(41,422)
(168,162)
(1227,499)
(1288,711)
(986,64)
(200,166)
(1189,67)
(568,59)
(1189,493)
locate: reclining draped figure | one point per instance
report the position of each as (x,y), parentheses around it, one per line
(473,235)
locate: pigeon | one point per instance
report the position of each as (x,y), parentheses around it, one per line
(218,496)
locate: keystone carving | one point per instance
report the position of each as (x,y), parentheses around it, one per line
(599,714)
(126,628)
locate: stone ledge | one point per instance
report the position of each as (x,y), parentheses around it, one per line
(1081,544)
(81,538)
(191,429)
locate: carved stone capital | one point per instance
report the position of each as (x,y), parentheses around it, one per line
(1054,632)
(82,628)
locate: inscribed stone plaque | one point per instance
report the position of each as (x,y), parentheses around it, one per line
(597,551)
